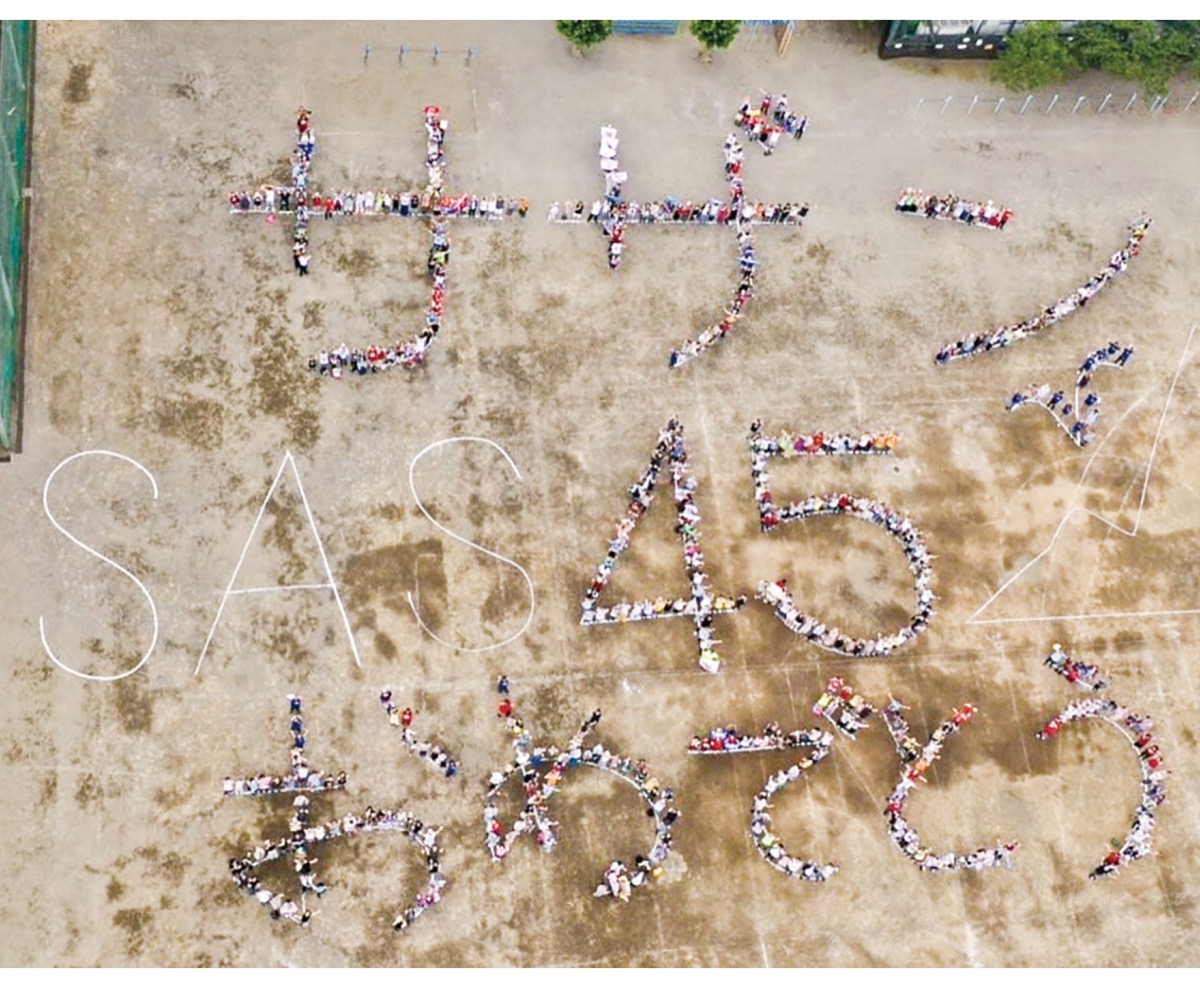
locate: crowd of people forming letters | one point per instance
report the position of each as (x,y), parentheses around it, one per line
(757,124)
(917,758)
(729,741)
(769,845)
(771,515)
(1138,730)
(541,771)
(1081,415)
(747,263)
(952,207)
(849,713)
(764,122)
(701,605)
(432,205)
(846,710)
(304,836)
(1008,335)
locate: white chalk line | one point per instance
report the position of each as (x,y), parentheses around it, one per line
(1080,617)
(289,586)
(104,559)
(1114,526)
(467,542)
(312,524)
(331,584)
(1096,453)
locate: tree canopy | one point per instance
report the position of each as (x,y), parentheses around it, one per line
(1036,56)
(584,34)
(1150,53)
(715,34)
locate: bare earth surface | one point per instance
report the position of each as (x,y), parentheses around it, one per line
(165,329)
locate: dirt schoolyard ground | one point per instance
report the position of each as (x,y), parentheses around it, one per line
(166,330)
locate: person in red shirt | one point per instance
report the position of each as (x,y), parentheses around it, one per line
(505,709)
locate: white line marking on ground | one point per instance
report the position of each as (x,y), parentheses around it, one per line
(467,542)
(1131,532)
(104,559)
(331,583)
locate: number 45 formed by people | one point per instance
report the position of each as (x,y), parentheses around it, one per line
(701,604)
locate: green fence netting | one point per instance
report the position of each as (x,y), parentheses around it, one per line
(16,97)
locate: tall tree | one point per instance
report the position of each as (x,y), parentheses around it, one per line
(584,34)
(715,34)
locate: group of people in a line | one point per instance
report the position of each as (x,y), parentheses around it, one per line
(660,607)
(304,835)
(437,756)
(612,218)
(383,202)
(1081,673)
(542,770)
(1138,729)
(788,445)
(770,516)
(1115,353)
(670,210)
(747,263)
(952,207)
(1007,335)
(306,144)
(767,120)
(843,707)
(1077,419)
(701,605)
(907,747)
(769,845)
(720,740)
(899,829)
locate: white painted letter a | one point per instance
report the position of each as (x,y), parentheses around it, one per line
(329,584)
